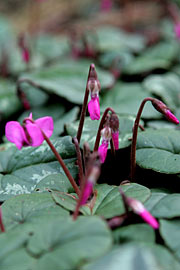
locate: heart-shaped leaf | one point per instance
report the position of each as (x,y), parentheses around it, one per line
(159,150)
(165,86)
(170,230)
(136,256)
(126,98)
(68,79)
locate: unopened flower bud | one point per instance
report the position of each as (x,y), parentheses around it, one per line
(139,209)
(162,108)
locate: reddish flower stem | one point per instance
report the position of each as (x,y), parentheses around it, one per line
(1,222)
(60,160)
(98,136)
(134,137)
(79,159)
(84,108)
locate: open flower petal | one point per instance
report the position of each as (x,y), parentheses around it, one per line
(102,150)
(46,124)
(15,133)
(35,134)
(94,108)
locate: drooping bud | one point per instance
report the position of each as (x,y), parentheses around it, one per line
(103,148)
(91,180)
(139,209)
(94,88)
(114,125)
(162,108)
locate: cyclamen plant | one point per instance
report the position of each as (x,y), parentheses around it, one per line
(34,132)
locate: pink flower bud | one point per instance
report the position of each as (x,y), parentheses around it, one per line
(140,210)
(30,134)
(162,108)
(94,108)
(171,117)
(88,189)
(115,138)
(87,192)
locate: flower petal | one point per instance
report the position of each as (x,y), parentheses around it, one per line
(94,108)
(46,124)
(15,134)
(35,134)
(147,217)
(102,150)
(115,138)
(87,192)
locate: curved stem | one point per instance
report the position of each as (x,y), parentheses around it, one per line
(84,108)
(134,137)
(79,160)
(98,136)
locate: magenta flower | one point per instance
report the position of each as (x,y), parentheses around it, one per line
(87,192)
(88,188)
(103,148)
(162,108)
(94,108)
(115,138)
(30,133)
(171,117)
(177,30)
(140,210)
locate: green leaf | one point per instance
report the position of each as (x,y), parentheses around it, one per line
(42,154)
(167,206)
(17,260)
(137,257)
(108,201)
(154,199)
(65,244)
(67,118)
(91,127)
(165,86)
(170,230)
(68,79)
(159,150)
(116,59)
(134,232)
(114,39)
(23,209)
(9,102)
(125,98)
(159,56)
(41,177)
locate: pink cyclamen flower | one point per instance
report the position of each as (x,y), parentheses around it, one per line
(30,134)
(140,210)
(103,148)
(88,188)
(94,108)
(177,30)
(171,117)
